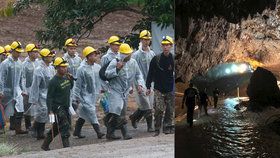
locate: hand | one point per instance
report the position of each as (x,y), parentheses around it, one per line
(120,65)
(140,89)
(23,94)
(148,92)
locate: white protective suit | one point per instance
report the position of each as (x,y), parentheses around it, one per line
(121,82)
(143,59)
(109,56)
(86,90)
(10,75)
(28,68)
(39,88)
(74,63)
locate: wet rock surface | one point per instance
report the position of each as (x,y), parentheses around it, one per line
(263,90)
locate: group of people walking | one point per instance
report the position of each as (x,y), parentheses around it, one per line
(46,89)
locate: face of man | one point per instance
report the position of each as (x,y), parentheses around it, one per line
(145,42)
(114,47)
(61,70)
(2,57)
(71,50)
(126,59)
(33,55)
(48,59)
(166,48)
(93,57)
(15,54)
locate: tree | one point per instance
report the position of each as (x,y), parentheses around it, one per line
(76,18)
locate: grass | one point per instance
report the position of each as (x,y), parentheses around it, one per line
(7,11)
(8,149)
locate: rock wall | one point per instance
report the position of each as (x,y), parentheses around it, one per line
(216,31)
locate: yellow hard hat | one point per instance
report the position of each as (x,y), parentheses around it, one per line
(31,48)
(88,50)
(16,45)
(46,52)
(114,40)
(145,34)
(60,62)
(167,40)
(7,48)
(2,50)
(125,49)
(70,42)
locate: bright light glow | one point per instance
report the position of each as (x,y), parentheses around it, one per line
(242,68)
(234,68)
(228,71)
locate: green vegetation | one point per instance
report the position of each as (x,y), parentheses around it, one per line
(77,18)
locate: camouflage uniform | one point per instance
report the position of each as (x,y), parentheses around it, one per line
(164,102)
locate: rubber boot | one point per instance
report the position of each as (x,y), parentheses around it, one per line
(27,121)
(18,129)
(12,123)
(111,127)
(97,130)
(34,129)
(135,117)
(156,133)
(125,134)
(46,143)
(78,127)
(149,121)
(40,131)
(65,142)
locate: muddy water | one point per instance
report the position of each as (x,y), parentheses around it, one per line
(230,134)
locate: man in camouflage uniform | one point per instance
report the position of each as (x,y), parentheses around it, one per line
(58,102)
(161,72)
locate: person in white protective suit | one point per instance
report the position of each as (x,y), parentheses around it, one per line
(10,90)
(38,93)
(72,56)
(112,52)
(122,72)
(28,67)
(143,56)
(86,87)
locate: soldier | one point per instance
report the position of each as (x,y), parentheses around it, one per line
(143,57)
(85,91)
(161,72)
(10,91)
(28,67)
(58,101)
(39,88)
(121,72)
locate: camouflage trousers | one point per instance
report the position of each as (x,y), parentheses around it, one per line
(61,124)
(164,109)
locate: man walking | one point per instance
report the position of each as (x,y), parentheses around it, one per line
(58,101)
(161,72)
(143,57)
(121,72)
(39,88)
(10,90)
(85,91)
(189,99)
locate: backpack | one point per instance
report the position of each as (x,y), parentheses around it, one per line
(103,69)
